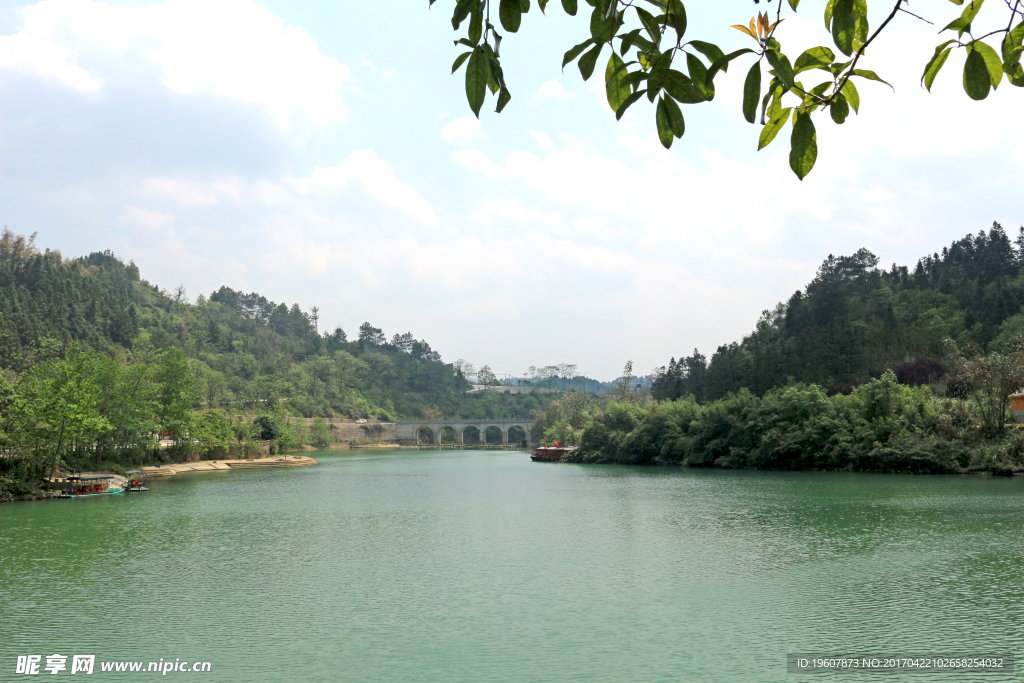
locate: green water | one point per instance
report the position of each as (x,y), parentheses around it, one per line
(465,566)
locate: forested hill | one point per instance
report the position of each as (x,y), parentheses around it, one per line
(247,353)
(854,320)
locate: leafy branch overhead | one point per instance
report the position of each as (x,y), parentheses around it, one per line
(650,56)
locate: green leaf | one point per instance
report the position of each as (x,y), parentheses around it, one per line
(775,107)
(772,128)
(931,69)
(635,78)
(699,75)
(783,69)
(462,10)
(977,82)
(675,16)
(543,4)
(774,95)
(814,58)
(1011,41)
(962,24)
(649,22)
(751,92)
(602,30)
(1012,55)
(570,7)
(840,109)
(829,10)
(575,52)
(664,127)
(478,72)
(712,52)
(524,5)
(852,96)
(476,26)
(803,145)
(844,25)
(616,84)
(812,100)
(511,15)
(589,61)
(871,76)
(675,117)
(1015,74)
(503,97)
(493,84)
(460,59)
(629,101)
(684,90)
(793,4)
(860,30)
(992,62)
(722,62)
(628,40)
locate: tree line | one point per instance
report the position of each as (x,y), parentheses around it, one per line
(899,370)
(96,362)
(855,320)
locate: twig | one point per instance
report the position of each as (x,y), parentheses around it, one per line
(914,15)
(1013,9)
(1013,13)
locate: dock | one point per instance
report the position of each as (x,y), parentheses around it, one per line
(226,465)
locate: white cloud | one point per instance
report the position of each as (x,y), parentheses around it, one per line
(551,90)
(478,162)
(377,179)
(191,192)
(236,50)
(155,221)
(46,60)
(543,139)
(462,130)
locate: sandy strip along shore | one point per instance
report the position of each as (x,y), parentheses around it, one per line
(225,465)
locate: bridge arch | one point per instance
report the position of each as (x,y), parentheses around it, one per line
(447,434)
(472,434)
(517,434)
(427,435)
(492,434)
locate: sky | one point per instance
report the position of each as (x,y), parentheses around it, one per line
(321,153)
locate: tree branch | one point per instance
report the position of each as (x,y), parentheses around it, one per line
(864,47)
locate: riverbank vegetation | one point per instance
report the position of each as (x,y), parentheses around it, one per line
(96,363)
(880,426)
(867,369)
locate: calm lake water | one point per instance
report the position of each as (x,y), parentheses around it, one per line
(467,566)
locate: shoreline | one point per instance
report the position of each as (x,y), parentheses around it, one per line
(172,469)
(227,465)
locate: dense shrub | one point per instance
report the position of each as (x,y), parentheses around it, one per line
(881,426)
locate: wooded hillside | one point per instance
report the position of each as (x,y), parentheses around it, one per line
(855,320)
(247,353)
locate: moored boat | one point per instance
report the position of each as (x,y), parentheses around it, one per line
(136,483)
(550,453)
(94,485)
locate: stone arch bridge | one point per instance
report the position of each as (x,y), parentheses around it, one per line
(408,431)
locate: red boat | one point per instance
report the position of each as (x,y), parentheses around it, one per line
(550,453)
